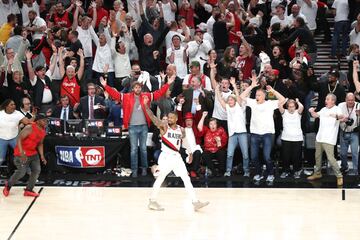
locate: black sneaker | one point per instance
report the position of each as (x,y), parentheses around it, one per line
(344,170)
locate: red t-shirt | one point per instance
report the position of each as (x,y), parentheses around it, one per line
(71,88)
(233,38)
(245,65)
(209,139)
(31,142)
(188,15)
(101,12)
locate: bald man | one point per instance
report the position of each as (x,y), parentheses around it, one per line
(176,88)
(349,135)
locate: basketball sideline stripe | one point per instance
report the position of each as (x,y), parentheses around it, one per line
(24,215)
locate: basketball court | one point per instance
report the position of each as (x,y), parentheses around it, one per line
(233,213)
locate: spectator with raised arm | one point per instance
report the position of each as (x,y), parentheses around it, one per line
(262,127)
(326,137)
(136,120)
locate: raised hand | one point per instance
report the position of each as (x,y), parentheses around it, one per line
(232,81)
(204,114)
(93,4)
(171,79)
(80,52)
(79,3)
(103,81)
(311,110)
(182,101)
(269,88)
(146,100)
(28,55)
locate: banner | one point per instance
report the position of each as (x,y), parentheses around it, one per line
(80,157)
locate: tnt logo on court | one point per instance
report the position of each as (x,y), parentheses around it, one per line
(93,156)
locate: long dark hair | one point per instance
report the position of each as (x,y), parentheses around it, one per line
(5,104)
(227,60)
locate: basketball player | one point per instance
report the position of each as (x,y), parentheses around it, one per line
(28,147)
(170,158)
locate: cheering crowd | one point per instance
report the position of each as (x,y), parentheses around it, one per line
(237,73)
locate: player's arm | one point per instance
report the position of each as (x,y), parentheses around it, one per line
(157,122)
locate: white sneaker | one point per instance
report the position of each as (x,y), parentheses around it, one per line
(270,178)
(198,205)
(258,177)
(227,174)
(154,205)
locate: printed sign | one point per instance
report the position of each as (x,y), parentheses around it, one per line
(81,157)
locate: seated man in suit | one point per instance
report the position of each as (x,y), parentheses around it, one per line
(91,106)
(63,111)
(197,94)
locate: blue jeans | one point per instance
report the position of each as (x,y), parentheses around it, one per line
(351,139)
(266,141)
(240,139)
(138,135)
(4,144)
(342,28)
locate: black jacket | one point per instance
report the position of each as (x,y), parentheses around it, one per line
(83,108)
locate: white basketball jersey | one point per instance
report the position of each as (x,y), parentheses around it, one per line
(171,140)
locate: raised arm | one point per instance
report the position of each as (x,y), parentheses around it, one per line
(280,97)
(213,75)
(94,15)
(80,72)
(61,62)
(219,97)
(356,75)
(201,122)
(281,106)
(76,16)
(237,94)
(157,122)
(30,68)
(313,113)
(300,106)
(115,95)
(253,85)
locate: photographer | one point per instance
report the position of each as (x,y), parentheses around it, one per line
(348,133)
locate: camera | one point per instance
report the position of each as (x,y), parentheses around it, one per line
(349,122)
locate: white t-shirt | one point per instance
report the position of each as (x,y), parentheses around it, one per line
(292,127)
(38,22)
(25,11)
(262,121)
(309,12)
(86,37)
(169,15)
(283,22)
(349,113)
(354,37)
(170,35)
(210,24)
(236,117)
(342,10)
(292,18)
(6,9)
(329,126)
(219,112)
(103,56)
(207,82)
(181,66)
(9,127)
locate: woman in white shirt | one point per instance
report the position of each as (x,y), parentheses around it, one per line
(291,137)
(235,110)
(9,127)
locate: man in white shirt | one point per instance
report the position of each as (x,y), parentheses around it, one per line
(27,6)
(262,127)
(309,9)
(86,36)
(36,25)
(219,112)
(349,136)
(341,27)
(326,137)
(281,17)
(210,22)
(199,48)
(172,32)
(295,12)
(177,55)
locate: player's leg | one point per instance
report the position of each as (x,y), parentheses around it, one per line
(180,170)
(164,169)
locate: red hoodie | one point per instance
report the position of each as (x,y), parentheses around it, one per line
(128,101)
